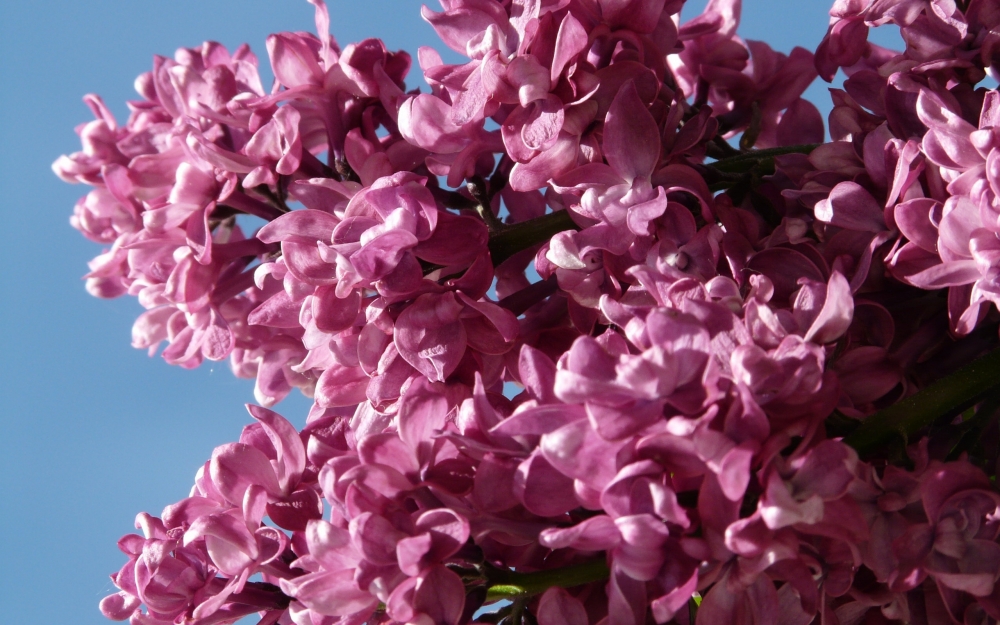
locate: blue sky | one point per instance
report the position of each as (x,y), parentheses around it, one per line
(91,430)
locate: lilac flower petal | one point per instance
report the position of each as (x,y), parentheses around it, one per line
(636,15)
(631,137)
(430,336)
(278,311)
(457,27)
(307,223)
(376,538)
(305,263)
(287,443)
(457,240)
(784,267)
(440,595)
(682,583)
(719,16)
(640,554)
(801,122)
(959,219)
(424,121)
(537,373)
(851,206)
(570,41)
(836,313)
(543,489)
(543,125)
(493,489)
(387,450)
(231,547)
(341,386)
(977,569)
(947,140)
(331,593)
(558,607)
(626,600)
(578,452)
(293,62)
(120,606)
(381,255)
(539,420)
(411,553)
(334,314)
(556,160)
(955,273)
(294,512)
(235,466)
(598,533)
(827,471)
(447,529)
(917,221)
(422,413)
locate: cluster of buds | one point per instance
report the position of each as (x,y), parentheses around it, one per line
(568,346)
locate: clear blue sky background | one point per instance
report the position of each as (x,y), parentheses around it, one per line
(91,430)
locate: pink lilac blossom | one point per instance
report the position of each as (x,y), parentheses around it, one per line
(703,317)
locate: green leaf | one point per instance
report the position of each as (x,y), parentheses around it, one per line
(512,239)
(746,161)
(507,584)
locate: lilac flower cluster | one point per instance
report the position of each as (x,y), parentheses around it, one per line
(704,318)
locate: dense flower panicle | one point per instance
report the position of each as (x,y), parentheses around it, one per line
(564,341)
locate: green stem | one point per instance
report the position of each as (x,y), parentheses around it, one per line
(718,149)
(505,584)
(946,397)
(752,132)
(512,239)
(972,429)
(742,161)
(517,611)
(693,604)
(480,190)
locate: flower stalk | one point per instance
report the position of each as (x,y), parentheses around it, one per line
(520,236)
(745,161)
(507,584)
(941,400)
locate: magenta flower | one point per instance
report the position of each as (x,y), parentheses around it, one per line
(566,345)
